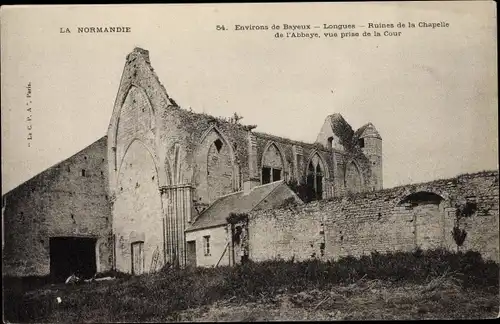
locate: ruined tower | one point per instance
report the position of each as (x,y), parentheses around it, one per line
(370,142)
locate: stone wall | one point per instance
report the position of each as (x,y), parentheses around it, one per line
(196,135)
(283,233)
(353,181)
(400,218)
(67,200)
(219,171)
(297,156)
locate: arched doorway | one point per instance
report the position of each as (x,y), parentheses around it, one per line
(137,208)
(427,211)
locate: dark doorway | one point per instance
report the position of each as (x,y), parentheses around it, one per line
(191,253)
(319,183)
(270,175)
(70,255)
(310,191)
(266,175)
(319,187)
(276,175)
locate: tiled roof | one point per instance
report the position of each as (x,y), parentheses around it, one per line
(238,202)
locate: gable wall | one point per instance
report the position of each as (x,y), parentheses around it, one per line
(58,202)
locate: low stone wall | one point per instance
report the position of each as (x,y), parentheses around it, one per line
(402,218)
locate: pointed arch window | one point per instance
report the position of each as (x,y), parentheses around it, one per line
(272,165)
(315,180)
(330,142)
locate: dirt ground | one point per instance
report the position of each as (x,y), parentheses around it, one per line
(370,300)
(440,298)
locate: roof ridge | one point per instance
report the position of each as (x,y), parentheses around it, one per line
(212,204)
(53,166)
(256,192)
(265,184)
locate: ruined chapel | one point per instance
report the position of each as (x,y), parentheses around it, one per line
(167,166)
(160,188)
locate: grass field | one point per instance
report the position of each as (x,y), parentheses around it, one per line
(418,285)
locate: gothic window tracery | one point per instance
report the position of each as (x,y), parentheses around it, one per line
(315,175)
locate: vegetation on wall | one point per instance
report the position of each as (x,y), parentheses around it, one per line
(239,230)
(463,210)
(235,218)
(288,202)
(352,151)
(305,192)
(236,118)
(345,133)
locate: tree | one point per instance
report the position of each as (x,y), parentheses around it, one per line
(236,118)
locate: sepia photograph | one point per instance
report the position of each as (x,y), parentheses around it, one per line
(249,162)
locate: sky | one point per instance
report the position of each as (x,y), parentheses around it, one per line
(431,92)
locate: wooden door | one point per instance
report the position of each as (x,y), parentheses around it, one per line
(191,253)
(137,258)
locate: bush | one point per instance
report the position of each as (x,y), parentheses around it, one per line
(305,192)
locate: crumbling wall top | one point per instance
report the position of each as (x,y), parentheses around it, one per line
(367,130)
(139,52)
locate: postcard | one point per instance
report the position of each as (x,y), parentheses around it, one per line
(250,162)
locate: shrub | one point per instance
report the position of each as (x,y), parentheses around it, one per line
(305,192)
(162,294)
(234,218)
(459,235)
(462,211)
